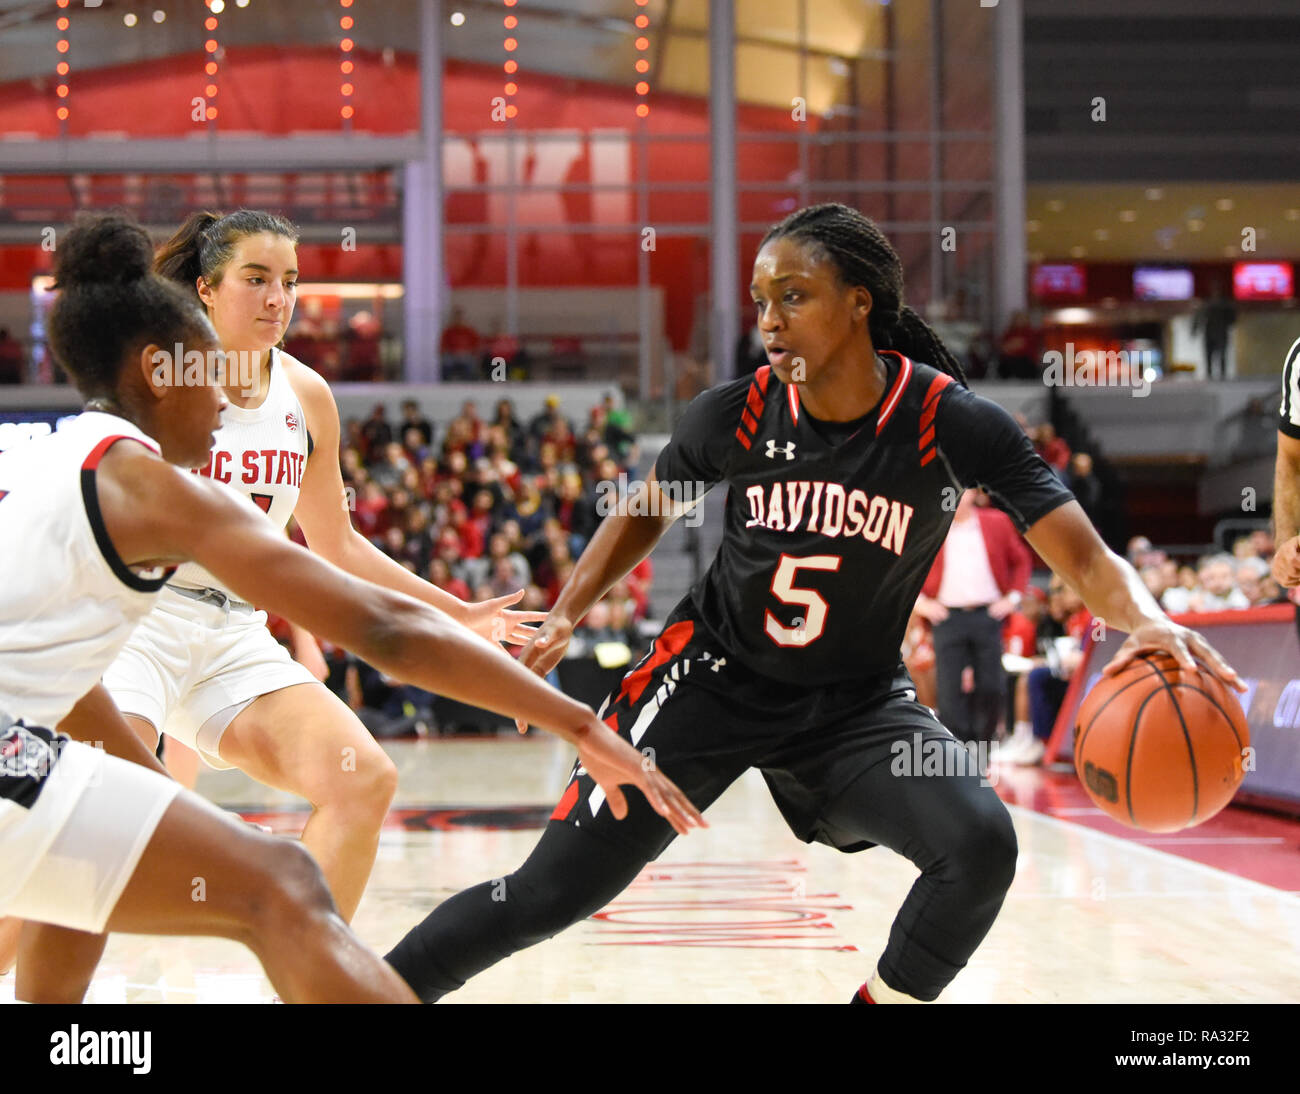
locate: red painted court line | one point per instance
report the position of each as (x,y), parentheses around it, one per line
(1260,846)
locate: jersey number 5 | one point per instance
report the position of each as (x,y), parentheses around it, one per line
(783,588)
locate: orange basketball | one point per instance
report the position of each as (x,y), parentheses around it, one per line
(1158,747)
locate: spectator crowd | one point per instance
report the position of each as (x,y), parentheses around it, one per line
(483,507)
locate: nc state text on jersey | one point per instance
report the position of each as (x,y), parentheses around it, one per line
(267,466)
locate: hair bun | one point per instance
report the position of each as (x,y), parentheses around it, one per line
(103,248)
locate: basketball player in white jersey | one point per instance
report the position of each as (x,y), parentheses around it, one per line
(203,667)
(94,520)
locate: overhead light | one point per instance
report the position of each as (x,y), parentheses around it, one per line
(1154,193)
(1102,234)
(1055,205)
(838,66)
(1128,216)
(129,19)
(159,15)
(1293,214)
(217,6)
(1224,205)
(1074,315)
(1032,225)
(457,18)
(1195,225)
(241,3)
(1078,252)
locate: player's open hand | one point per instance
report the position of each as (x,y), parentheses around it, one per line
(494,621)
(1286,563)
(1182,642)
(612,762)
(545,649)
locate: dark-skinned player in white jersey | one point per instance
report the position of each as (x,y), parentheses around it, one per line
(839,455)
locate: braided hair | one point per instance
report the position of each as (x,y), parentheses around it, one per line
(861,255)
(204,245)
(111,305)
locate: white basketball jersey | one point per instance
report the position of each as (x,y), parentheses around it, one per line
(261,452)
(67,601)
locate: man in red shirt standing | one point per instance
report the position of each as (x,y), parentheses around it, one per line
(976,581)
(460,349)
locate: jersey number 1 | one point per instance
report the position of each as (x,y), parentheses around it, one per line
(783,588)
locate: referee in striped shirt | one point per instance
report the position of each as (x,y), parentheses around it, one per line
(1286,477)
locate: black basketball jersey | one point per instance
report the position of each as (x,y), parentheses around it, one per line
(826,547)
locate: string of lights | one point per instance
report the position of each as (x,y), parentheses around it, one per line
(346,65)
(62,68)
(511,44)
(642,62)
(211,46)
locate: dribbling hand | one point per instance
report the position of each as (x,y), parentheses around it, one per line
(1182,642)
(612,762)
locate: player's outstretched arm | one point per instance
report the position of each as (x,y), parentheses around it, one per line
(1112,591)
(155,514)
(323,515)
(619,544)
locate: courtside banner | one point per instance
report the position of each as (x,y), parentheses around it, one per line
(1261,644)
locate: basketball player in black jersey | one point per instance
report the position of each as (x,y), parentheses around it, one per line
(844,457)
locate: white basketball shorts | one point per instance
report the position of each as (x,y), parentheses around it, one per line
(72,828)
(189,661)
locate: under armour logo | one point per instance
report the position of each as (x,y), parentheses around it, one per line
(773,448)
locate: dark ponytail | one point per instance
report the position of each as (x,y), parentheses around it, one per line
(178,258)
(110,305)
(862,256)
(204,245)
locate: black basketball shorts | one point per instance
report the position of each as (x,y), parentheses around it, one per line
(703,718)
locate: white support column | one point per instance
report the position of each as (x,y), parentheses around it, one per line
(1009,250)
(422,257)
(724,326)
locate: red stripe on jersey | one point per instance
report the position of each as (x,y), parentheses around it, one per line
(97,453)
(566,802)
(742,437)
(667,646)
(927,457)
(754,401)
(931,402)
(749,421)
(926,438)
(896,392)
(792,397)
(760,377)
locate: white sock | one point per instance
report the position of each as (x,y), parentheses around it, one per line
(881,992)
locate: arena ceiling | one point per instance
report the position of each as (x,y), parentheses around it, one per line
(587,39)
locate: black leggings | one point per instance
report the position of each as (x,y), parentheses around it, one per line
(956,831)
